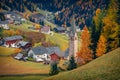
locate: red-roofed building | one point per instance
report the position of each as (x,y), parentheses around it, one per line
(54,57)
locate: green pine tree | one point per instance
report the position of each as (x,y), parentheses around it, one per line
(54,69)
(96,29)
(72,64)
(1,32)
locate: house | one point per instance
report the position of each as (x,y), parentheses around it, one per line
(1,41)
(24,45)
(14,16)
(4,25)
(19,56)
(54,51)
(59,30)
(54,57)
(37,18)
(45,30)
(11,21)
(7,15)
(12,41)
(66,54)
(78,29)
(17,21)
(23,20)
(45,53)
(38,53)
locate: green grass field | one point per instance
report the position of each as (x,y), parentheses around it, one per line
(38,77)
(23,26)
(7,51)
(60,39)
(14,69)
(106,67)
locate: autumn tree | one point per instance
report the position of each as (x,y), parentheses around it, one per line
(118,21)
(17,32)
(85,53)
(111,28)
(96,29)
(11,32)
(101,46)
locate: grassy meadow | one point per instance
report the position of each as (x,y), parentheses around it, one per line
(60,39)
(10,66)
(8,51)
(106,67)
(23,26)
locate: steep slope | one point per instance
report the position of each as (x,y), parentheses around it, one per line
(83,10)
(106,67)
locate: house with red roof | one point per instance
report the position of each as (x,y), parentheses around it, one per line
(12,41)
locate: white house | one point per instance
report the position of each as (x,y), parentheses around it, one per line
(4,25)
(23,20)
(19,56)
(78,29)
(43,53)
(39,54)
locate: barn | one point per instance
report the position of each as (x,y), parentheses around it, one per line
(12,40)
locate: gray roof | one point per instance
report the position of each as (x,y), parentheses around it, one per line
(39,16)
(60,28)
(22,43)
(19,56)
(56,50)
(49,50)
(4,22)
(39,50)
(66,53)
(13,38)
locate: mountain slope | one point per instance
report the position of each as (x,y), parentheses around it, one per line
(83,10)
(106,67)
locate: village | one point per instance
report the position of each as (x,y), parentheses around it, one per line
(59,39)
(28,52)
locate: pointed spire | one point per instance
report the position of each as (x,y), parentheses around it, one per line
(73,26)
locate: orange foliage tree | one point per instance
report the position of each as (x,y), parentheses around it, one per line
(17,50)
(85,54)
(101,47)
(17,32)
(11,32)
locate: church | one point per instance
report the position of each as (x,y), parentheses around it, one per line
(73,39)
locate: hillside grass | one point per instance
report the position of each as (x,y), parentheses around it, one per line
(106,67)
(4,51)
(60,40)
(24,26)
(9,66)
(38,77)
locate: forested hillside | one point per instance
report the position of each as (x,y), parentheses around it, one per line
(83,10)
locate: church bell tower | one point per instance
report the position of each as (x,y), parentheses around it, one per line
(73,39)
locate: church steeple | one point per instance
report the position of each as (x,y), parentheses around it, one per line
(73,39)
(73,26)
